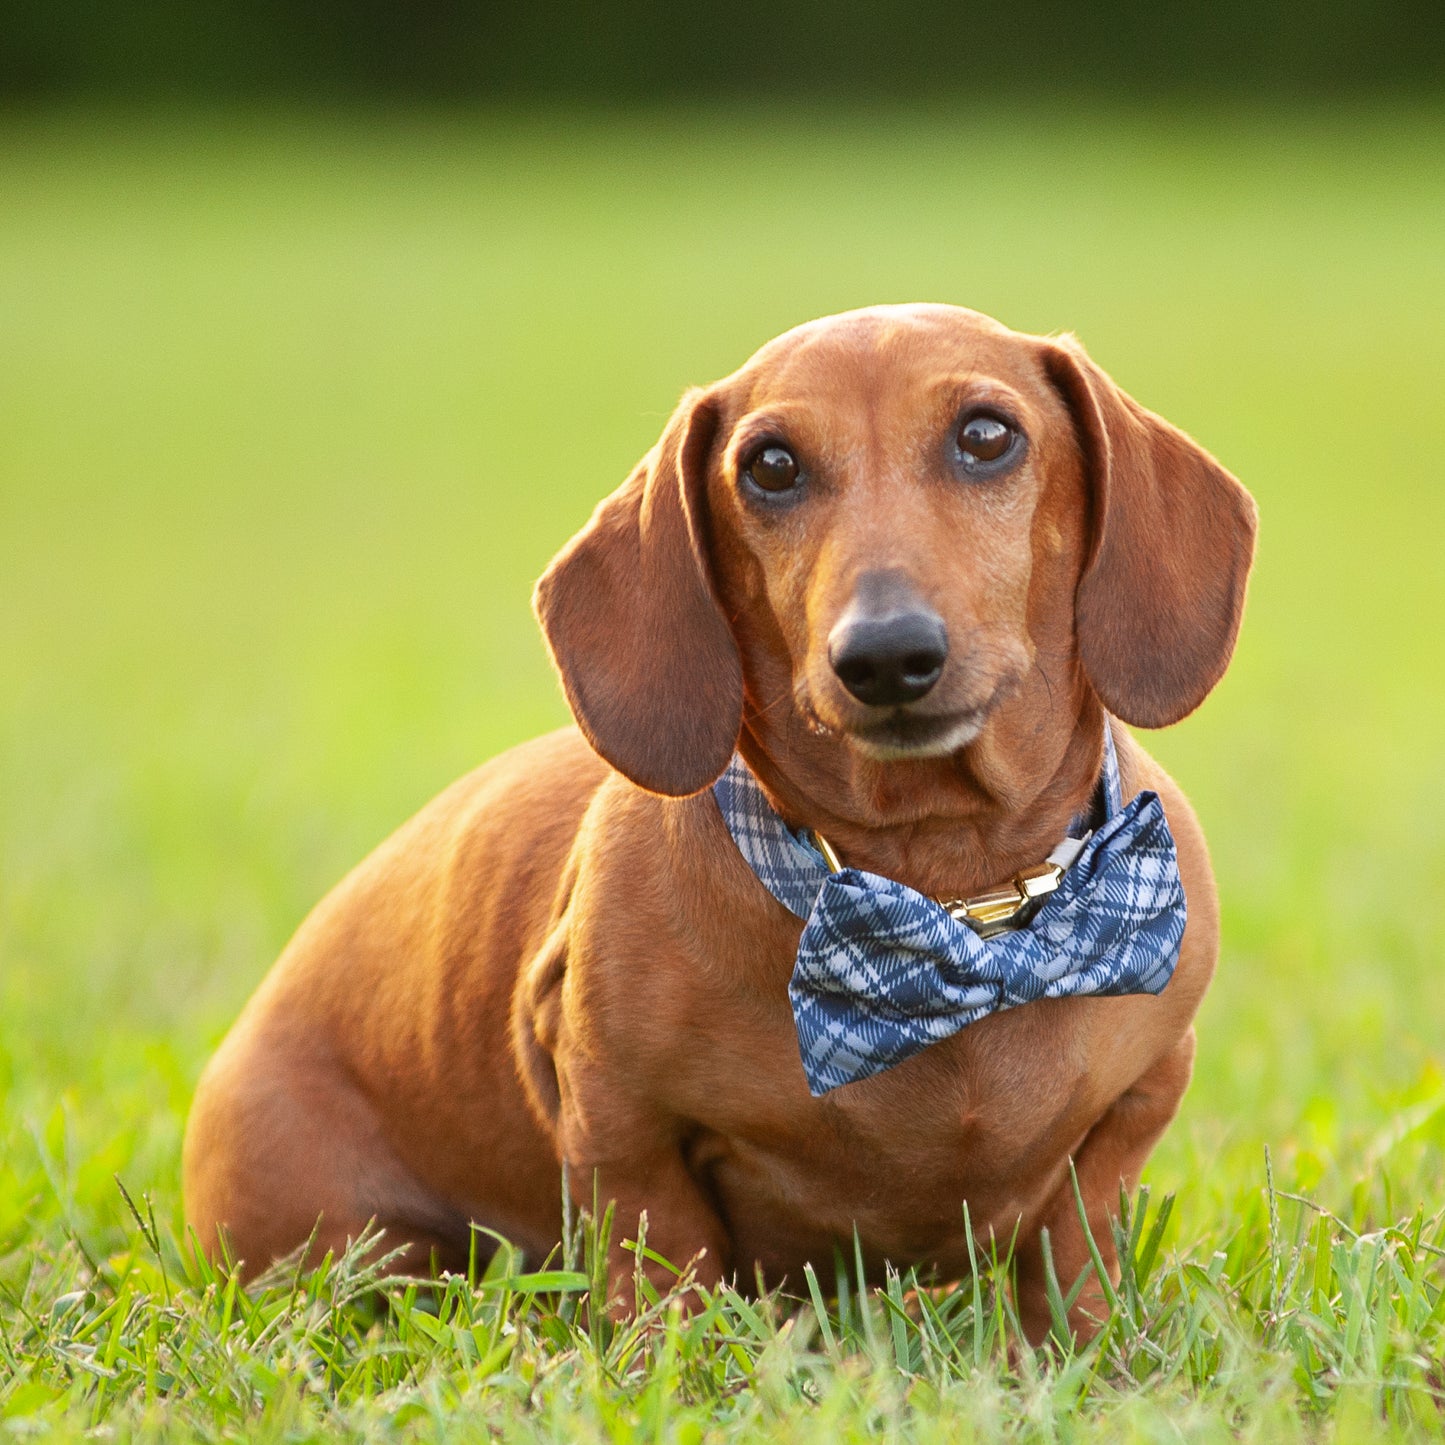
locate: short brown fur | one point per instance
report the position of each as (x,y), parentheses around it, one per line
(562,960)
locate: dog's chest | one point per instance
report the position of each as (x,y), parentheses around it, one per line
(986,1118)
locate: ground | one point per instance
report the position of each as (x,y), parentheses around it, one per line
(294,407)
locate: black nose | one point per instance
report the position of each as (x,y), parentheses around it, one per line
(888,660)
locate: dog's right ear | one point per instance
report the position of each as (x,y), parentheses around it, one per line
(646,657)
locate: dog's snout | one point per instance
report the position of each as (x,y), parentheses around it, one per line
(889,660)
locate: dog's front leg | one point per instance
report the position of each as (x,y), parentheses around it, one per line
(1112,1154)
(622,1151)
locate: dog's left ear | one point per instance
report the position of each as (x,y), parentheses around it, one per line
(1159,602)
(646,657)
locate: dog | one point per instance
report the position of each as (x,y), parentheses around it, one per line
(900,577)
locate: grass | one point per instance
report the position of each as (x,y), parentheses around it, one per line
(294,410)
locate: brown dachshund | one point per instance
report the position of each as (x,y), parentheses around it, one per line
(565,958)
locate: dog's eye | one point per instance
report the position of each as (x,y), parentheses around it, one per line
(774,469)
(985,439)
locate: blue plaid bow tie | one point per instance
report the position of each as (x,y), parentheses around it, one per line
(883,971)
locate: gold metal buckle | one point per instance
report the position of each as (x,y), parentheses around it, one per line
(1000,910)
(829,856)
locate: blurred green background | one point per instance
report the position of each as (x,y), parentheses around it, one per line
(294,406)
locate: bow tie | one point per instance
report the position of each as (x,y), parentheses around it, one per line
(883,971)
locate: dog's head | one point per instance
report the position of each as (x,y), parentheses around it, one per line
(898,532)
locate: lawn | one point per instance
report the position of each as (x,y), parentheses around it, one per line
(292,411)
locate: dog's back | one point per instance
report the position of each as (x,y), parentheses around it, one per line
(338,1087)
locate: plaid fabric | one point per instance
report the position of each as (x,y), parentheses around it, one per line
(883,972)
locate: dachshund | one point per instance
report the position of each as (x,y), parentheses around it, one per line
(901,577)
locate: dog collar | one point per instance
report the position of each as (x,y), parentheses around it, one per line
(882,971)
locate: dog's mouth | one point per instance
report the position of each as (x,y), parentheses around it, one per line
(902,734)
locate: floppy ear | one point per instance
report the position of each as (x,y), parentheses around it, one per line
(647,661)
(1159,602)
